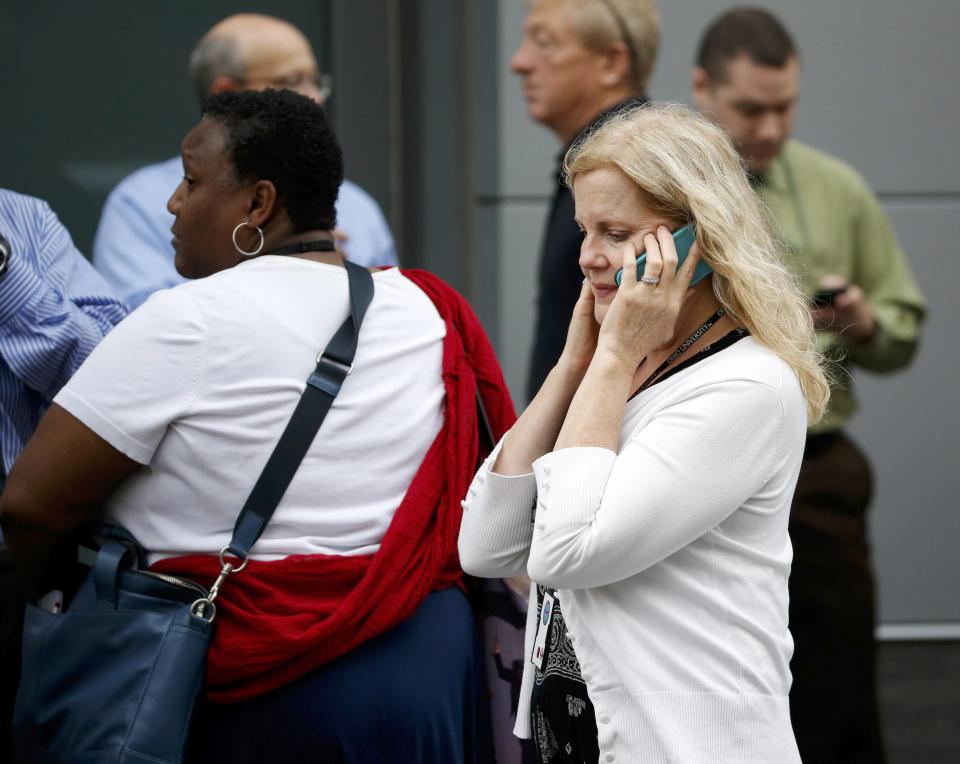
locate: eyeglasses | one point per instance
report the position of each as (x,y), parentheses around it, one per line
(627,40)
(299,81)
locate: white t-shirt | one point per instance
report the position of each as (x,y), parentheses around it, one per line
(199,382)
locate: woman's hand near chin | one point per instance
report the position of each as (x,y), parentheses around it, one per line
(582,333)
(643,316)
(536,431)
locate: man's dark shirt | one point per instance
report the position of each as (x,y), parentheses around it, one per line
(560,276)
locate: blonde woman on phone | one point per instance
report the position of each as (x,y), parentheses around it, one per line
(647,487)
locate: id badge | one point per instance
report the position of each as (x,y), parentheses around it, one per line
(543,630)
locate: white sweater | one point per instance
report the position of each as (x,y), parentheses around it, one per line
(671,558)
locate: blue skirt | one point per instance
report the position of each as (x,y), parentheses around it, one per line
(414,694)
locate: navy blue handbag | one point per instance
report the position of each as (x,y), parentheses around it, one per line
(117,675)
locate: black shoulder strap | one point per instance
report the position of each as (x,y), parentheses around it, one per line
(483,425)
(333,366)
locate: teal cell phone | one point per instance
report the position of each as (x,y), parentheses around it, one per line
(683,239)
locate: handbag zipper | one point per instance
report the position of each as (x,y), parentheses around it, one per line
(183,583)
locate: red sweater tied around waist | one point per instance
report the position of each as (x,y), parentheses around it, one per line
(279,620)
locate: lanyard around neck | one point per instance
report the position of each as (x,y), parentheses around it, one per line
(682,348)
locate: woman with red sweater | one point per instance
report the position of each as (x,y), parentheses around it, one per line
(348,636)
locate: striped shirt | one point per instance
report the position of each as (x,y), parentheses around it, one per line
(54,309)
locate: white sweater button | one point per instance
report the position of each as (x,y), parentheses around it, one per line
(604,719)
(610,756)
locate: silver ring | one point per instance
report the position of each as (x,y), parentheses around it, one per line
(650,280)
(224,563)
(205,609)
(237,246)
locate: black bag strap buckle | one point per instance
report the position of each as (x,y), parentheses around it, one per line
(341,366)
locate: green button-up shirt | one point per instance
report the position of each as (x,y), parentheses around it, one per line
(830,222)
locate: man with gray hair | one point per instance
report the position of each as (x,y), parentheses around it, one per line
(247,51)
(580,61)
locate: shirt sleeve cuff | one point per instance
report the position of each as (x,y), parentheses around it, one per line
(499,508)
(884,350)
(17,286)
(501,511)
(570,484)
(103,427)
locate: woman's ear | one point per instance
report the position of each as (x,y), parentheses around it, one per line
(263,203)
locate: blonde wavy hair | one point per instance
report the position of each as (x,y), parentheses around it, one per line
(687,169)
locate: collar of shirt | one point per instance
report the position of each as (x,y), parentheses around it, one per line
(617,108)
(776,178)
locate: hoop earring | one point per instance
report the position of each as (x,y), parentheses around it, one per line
(236,246)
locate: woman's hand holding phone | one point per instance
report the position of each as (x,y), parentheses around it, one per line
(643,316)
(683,239)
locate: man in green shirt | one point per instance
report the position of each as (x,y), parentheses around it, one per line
(868,314)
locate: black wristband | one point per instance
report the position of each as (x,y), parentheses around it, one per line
(5,252)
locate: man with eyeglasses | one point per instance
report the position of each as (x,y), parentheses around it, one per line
(246,51)
(580,60)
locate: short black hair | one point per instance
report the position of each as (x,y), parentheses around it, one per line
(283,137)
(753,31)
